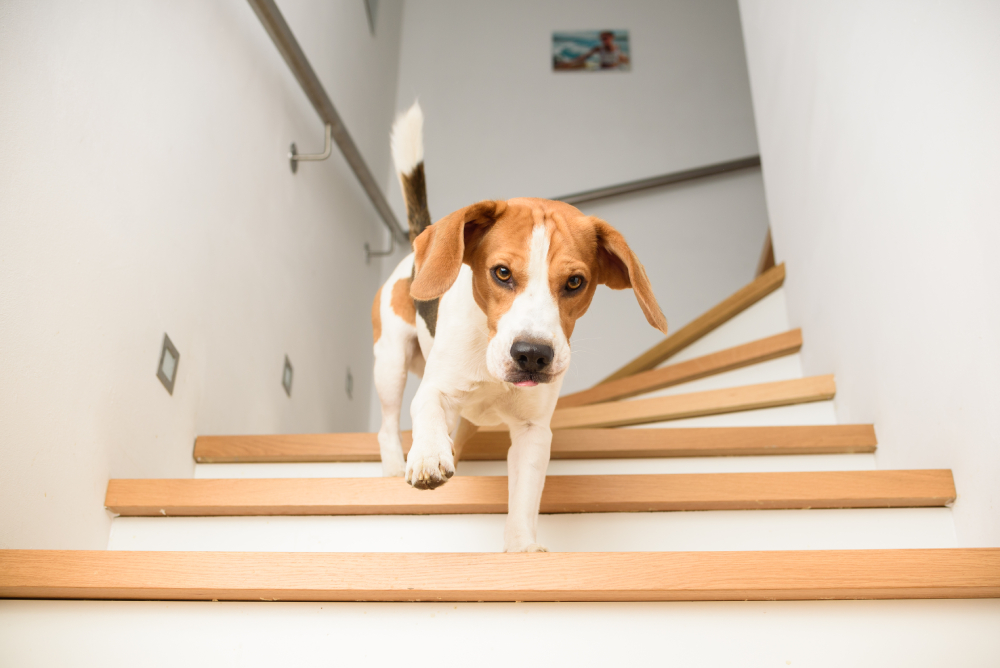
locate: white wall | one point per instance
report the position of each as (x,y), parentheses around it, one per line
(500,123)
(699,242)
(879,138)
(144,189)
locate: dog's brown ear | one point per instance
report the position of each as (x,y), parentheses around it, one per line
(440,250)
(619,268)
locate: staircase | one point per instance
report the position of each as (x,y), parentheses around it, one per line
(718,418)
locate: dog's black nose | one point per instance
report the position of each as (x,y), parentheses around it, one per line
(531,356)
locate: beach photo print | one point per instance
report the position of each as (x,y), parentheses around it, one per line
(591,51)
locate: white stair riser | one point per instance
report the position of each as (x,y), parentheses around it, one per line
(814,413)
(767,317)
(872,528)
(823,634)
(781,368)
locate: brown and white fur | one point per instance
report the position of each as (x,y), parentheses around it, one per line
(483,311)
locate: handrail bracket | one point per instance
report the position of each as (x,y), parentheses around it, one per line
(294,157)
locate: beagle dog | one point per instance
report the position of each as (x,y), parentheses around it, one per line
(483,310)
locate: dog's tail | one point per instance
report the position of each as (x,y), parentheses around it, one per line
(408,157)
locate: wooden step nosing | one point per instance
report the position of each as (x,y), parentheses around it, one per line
(567,576)
(562,494)
(730,359)
(591,443)
(697,404)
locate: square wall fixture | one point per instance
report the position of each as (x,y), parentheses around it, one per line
(169,360)
(286,377)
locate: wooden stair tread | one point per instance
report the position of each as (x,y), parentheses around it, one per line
(340,447)
(736,357)
(556,576)
(736,303)
(694,404)
(566,444)
(562,494)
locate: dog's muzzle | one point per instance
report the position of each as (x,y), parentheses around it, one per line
(533,360)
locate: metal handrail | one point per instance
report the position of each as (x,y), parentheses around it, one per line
(290,50)
(664,180)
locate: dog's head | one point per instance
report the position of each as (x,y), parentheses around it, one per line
(535,265)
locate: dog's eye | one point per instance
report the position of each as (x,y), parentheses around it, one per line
(574,282)
(502,273)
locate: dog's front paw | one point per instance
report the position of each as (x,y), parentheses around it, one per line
(429,471)
(530,547)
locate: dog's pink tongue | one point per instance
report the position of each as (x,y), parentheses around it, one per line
(526,383)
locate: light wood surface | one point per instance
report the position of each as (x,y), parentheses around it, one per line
(694,404)
(552,576)
(562,494)
(766,260)
(737,357)
(566,444)
(733,305)
(356,447)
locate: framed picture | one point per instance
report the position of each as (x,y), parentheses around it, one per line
(591,51)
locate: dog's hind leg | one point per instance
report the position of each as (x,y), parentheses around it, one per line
(466,430)
(391,367)
(396,353)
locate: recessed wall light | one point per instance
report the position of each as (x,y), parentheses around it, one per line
(169,360)
(286,377)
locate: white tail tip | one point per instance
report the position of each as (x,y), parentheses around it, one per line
(408,139)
